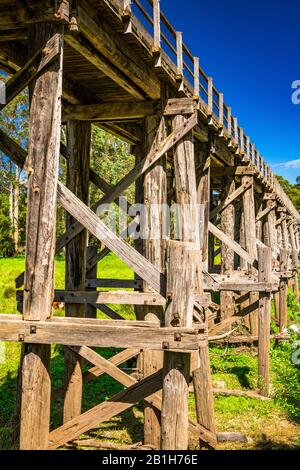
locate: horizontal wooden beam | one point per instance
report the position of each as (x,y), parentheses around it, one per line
(219,171)
(90,321)
(109,111)
(182,106)
(116,297)
(252,286)
(99,335)
(115,283)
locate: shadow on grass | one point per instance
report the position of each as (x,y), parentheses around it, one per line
(270,444)
(94,392)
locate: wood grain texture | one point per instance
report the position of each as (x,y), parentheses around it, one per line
(78,173)
(42,167)
(227,222)
(203,391)
(155,199)
(264,321)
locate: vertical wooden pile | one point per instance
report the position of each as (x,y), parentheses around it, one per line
(264,320)
(227,254)
(155,197)
(42,165)
(181,281)
(250,241)
(78,172)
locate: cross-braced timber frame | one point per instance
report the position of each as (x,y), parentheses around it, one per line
(93,62)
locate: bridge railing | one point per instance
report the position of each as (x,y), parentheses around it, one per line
(192,76)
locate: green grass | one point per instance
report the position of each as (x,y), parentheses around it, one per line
(10,268)
(272,424)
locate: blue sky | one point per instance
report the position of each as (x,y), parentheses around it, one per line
(252,50)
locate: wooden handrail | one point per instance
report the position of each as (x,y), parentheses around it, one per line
(198,75)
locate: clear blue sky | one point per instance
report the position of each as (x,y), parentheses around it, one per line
(252,50)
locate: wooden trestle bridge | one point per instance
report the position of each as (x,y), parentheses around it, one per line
(121,66)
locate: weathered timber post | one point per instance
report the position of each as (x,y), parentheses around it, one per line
(269,228)
(203,390)
(250,241)
(176,372)
(42,166)
(78,170)
(227,254)
(295,255)
(211,241)
(285,234)
(181,281)
(283,288)
(264,320)
(155,199)
(91,251)
(202,159)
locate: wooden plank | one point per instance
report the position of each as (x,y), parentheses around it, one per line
(264,321)
(232,171)
(119,297)
(109,111)
(251,286)
(42,167)
(89,321)
(179,106)
(73,333)
(114,283)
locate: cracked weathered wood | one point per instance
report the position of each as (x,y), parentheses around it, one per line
(42,168)
(78,173)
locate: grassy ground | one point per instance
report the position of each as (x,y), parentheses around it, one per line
(273,424)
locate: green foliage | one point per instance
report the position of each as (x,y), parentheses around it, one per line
(287,377)
(292,190)
(293,307)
